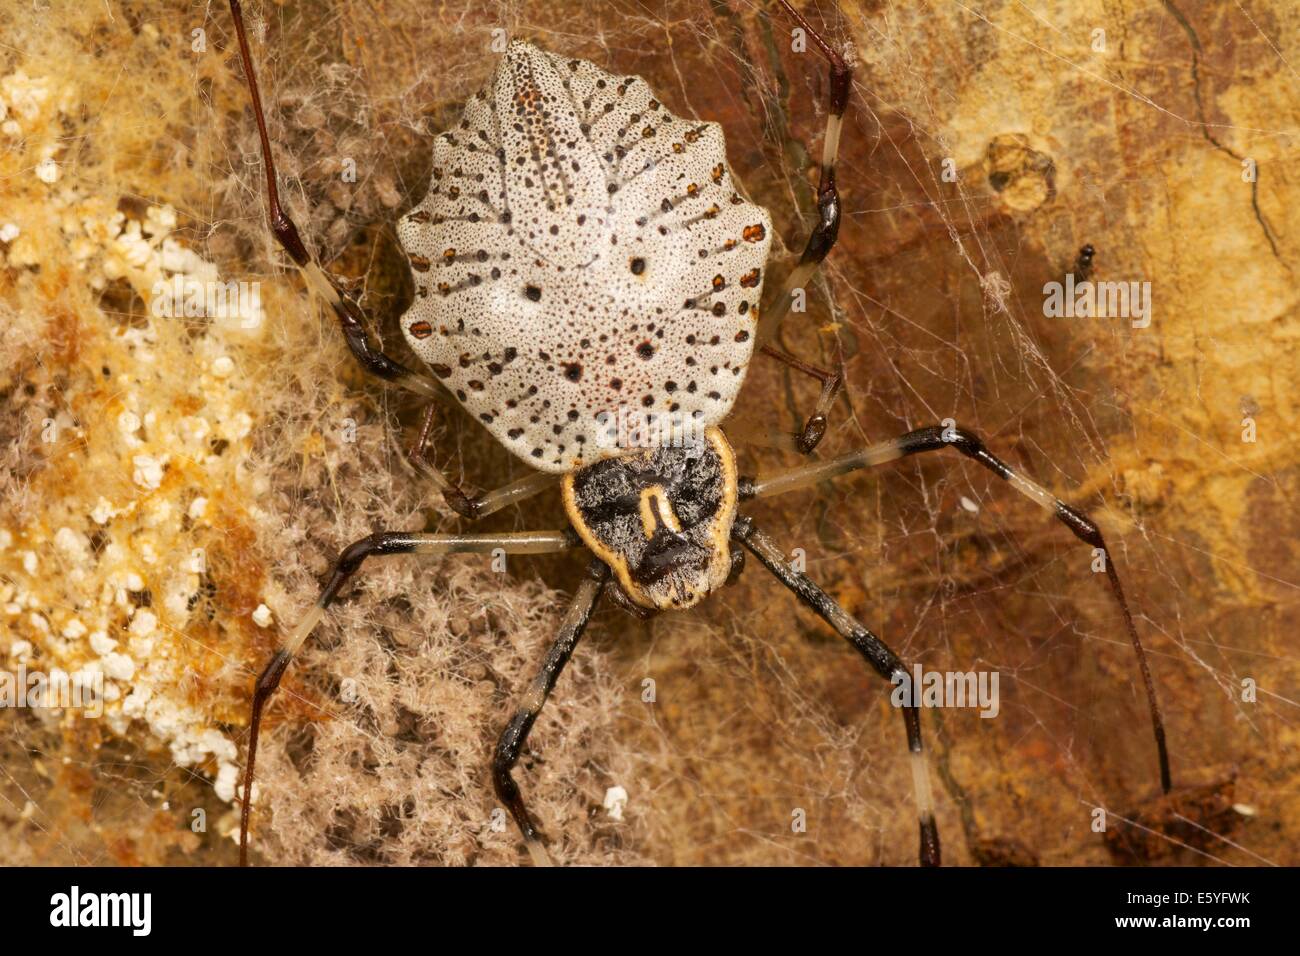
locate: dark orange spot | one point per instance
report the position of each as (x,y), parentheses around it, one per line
(754,233)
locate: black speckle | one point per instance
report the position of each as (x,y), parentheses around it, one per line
(638,266)
(533,293)
(645,350)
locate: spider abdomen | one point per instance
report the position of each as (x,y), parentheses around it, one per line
(582,251)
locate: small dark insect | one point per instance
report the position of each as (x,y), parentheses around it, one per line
(600,194)
(1083,262)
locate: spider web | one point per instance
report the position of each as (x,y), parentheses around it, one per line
(932,300)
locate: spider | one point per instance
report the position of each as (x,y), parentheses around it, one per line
(582,251)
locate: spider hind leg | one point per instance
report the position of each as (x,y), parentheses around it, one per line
(380,544)
(876,653)
(516,732)
(950,434)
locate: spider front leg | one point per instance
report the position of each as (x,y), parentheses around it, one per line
(873,650)
(819,243)
(516,732)
(352,320)
(969,444)
(351,317)
(381,543)
(827,229)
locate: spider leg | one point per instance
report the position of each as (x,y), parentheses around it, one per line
(349,313)
(969,444)
(351,318)
(379,544)
(873,650)
(828,198)
(516,732)
(415,453)
(466,505)
(815,427)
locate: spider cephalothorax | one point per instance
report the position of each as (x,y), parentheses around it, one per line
(660,518)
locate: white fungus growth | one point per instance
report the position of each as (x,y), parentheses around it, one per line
(101,643)
(148,471)
(615,801)
(128,422)
(118,666)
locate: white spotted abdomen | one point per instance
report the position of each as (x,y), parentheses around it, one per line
(582,251)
